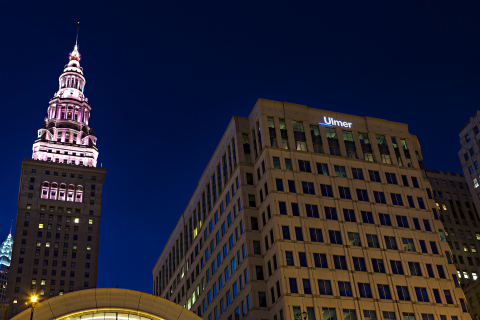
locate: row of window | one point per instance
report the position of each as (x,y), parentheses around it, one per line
(365,291)
(351,314)
(356,173)
(354,239)
(320,260)
(55,173)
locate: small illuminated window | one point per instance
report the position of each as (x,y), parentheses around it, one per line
(465,275)
(47,244)
(74,246)
(39,243)
(474,276)
(89,247)
(77,220)
(40,226)
(437,204)
(34,281)
(475,183)
(444,207)
(15,300)
(43,282)
(90,221)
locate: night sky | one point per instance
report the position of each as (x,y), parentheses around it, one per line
(164,79)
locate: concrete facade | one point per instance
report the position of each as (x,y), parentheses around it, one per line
(460,220)
(311,218)
(107,304)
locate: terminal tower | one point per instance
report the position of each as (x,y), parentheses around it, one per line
(56,240)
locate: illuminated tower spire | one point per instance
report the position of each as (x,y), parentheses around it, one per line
(65,135)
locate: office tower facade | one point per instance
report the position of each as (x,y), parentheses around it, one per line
(460,220)
(307,213)
(58,218)
(5,258)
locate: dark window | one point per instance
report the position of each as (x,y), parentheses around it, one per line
(391,178)
(335,237)
(364,290)
(362,195)
(344,193)
(359,264)
(415,182)
(384,291)
(295,210)
(330,213)
(390,243)
(325,288)
(322,168)
(405,180)
(298,234)
(291,186)
(422,295)
(349,215)
(282,207)
(279,184)
(340,262)
(308,187)
(396,199)
(374,176)
(312,211)
(286,232)
(367,217)
(320,260)
(293,285)
(372,241)
(304,166)
(357,173)
(326,190)
(316,235)
(385,219)
(345,289)
(402,221)
(378,266)
(379,197)
(289,258)
(403,294)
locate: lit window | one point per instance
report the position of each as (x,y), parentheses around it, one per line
(444,207)
(465,274)
(40,226)
(47,244)
(77,220)
(474,276)
(15,300)
(89,247)
(475,183)
(90,221)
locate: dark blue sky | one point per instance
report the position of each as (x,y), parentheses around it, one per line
(164,79)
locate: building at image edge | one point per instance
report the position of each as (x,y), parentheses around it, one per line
(291,216)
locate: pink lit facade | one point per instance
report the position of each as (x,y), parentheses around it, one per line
(65,136)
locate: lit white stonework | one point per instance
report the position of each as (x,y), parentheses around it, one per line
(65,136)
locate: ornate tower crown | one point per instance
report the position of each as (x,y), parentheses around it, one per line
(65,136)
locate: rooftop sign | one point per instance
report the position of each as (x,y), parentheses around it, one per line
(330,122)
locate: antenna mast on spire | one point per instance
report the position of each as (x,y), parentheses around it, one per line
(76,41)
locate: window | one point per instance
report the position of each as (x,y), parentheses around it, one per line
(362,195)
(308,187)
(422,295)
(320,260)
(426,223)
(415,182)
(293,285)
(384,291)
(396,199)
(408,316)
(304,166)
(302,258)
(291,186)
(369,315)
(390,243)
(282,207)
(396,267)
(365,290)
(340,262)
(378,265)
(326,190)
(330,213)
(345,289)
(316,235)
(374,176)
(288,164)
(385,219)
(325,287)
(402,221)
(379,197)
(349,215)
(295,210)
(286,232)
(411,204)
(276,163)
(391,178)
(436,294)
(415,269)
(433,246)
(344,193)
(367,217)
(279,183)
(340,171)
(403,294)
(354,239)
(312,210)
(441,273)
(298,233)
(306,286)
(421,204)
(408,244)
(372,241)
(335,237)
(322,168)
(328,314)
(357,174)
(359,264)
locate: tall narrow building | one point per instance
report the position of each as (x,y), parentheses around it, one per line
(58,219)
(307,213)
(460,220)
(5,259)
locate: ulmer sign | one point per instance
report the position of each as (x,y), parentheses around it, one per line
(330,122)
